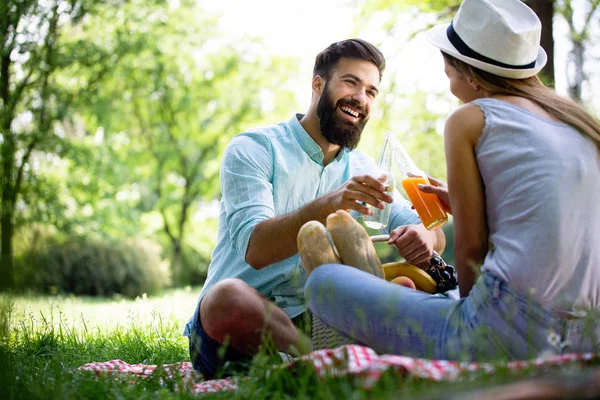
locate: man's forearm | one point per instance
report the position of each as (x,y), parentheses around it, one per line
(275,239)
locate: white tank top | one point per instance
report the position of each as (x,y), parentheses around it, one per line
(542,188)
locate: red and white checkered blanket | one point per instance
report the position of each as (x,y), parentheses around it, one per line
(358,361)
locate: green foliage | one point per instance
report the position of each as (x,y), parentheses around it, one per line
(36,55)
(423,136)
(194,266)
(448,253)
(162,119)
(386,12)
(120,113)
(90,267)
(201,239)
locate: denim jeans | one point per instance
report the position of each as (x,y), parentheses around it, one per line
(493,323)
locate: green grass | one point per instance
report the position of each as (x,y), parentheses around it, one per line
(44,339)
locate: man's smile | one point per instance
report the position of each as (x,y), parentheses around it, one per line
(351,112)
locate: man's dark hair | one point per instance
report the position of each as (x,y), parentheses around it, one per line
(350,48)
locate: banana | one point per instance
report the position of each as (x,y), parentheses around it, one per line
(314,246)
(353,243)
(422,280)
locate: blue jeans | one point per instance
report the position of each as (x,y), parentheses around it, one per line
(493,323)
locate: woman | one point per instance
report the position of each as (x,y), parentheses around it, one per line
(524,188)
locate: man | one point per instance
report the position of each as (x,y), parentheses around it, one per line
(274,180)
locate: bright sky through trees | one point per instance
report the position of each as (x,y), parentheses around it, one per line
(302,28)
(298,29)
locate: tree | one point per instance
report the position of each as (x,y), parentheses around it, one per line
(48,68)
(579,37)
(30,54)
(178,101)
(545,12)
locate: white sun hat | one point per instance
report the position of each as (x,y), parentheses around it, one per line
(501,37)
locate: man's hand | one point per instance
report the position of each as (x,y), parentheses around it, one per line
(283,230)
(414,242)
(355,192)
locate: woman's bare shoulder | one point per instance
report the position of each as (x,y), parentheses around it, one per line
(467,120)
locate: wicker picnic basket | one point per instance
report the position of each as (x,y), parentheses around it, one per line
(325,337)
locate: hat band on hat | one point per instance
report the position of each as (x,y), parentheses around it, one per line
(465,50)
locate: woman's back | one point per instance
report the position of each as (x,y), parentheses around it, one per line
(542,188)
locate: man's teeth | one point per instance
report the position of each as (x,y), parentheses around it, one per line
(350,111)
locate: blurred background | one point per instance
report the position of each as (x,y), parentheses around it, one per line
(114,115)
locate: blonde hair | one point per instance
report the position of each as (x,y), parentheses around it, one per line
(532,89)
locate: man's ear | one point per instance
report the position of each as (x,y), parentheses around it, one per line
(318,85)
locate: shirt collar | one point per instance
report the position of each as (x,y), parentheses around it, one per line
(310,147)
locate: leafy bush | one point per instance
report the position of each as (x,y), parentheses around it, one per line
(91,267)
(194,267)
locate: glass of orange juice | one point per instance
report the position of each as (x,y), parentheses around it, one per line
(427,205)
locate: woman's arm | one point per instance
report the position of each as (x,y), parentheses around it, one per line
(466,191)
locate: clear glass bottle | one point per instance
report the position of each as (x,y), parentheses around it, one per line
(380,218)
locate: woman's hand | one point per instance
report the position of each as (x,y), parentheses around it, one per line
(440,189)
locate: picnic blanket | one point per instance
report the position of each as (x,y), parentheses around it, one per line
(355,360)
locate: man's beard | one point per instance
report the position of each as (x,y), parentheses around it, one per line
(335,128)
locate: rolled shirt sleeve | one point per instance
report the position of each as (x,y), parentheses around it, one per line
(401,213)
(246,181)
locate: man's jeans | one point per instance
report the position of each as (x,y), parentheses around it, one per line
(493,323)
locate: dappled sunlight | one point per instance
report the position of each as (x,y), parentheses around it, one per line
(80,314)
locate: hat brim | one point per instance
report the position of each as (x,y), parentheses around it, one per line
(437,36)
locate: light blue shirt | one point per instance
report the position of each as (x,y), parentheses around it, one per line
(270,172)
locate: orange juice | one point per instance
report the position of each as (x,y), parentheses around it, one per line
(428,205)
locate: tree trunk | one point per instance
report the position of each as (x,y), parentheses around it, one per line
(579,41)
(177,262)
(7,213)
(578,76)
(545,11)
(8,148)
(6,259)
